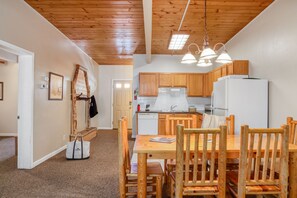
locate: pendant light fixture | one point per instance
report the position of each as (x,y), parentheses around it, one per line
(207,54)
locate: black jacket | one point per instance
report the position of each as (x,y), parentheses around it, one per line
(93,107)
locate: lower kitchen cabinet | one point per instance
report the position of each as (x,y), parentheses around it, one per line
(199,120)
(162,123)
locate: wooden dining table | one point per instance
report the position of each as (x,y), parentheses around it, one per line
(146,149)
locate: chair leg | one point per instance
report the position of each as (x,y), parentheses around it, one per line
(159,187)
(165,170)
(168,179)
(171,188)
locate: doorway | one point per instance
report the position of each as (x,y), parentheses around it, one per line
(8,105)
(25,104)
(122,101)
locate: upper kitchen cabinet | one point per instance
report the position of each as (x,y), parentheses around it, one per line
(208,84)
(148,84)
(238,67)
(217,73)
(195,85)
(165,80)
(172,80)
(179,80)
(224,70)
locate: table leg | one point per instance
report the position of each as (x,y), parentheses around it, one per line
(141,174)
(293,175)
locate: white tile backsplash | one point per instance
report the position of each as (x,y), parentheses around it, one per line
(172,96)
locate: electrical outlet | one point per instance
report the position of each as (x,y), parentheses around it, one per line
(64,137)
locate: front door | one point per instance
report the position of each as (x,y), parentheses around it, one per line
(122,101)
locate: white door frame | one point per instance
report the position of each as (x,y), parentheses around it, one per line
(25,103)
(112,89)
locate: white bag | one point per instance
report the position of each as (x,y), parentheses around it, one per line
(78,150)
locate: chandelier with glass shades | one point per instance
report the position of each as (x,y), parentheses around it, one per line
(207,54)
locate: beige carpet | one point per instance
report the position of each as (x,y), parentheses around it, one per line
(7,148)
(58,177)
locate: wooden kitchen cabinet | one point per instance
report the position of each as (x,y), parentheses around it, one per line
(208,84)
(162,124)
(165,80)
(199,120)
(172,80)
(195,85)
(217,73)
(179,80)
(148,84)
(238,67)
(224,70)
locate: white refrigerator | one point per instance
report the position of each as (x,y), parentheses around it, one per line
(246,99)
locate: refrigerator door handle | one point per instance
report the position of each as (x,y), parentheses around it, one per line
(220,109)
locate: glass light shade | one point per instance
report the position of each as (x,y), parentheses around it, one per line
(188,59)
(204,63)
(208,53)
(224,58)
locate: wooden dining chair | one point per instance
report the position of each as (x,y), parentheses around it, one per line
(230,122)
(170,129)
(128,172)
(199,145)
(232,164)
(292,130)
(257,163)
(172,121)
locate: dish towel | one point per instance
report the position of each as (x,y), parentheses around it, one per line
(212,121)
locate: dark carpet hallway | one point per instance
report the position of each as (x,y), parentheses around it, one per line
(58,177)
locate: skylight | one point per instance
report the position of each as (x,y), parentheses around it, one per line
(178,41)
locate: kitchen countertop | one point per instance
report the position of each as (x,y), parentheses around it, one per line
(175,112)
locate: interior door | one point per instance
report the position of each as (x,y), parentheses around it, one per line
(122,101)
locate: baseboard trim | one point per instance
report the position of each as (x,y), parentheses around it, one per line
(43,159)
(105,128)
(9,134)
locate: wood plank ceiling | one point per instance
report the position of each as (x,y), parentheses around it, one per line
(111,31)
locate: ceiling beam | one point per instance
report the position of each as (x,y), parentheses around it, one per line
(147,15)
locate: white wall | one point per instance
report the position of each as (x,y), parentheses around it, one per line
(54,52)
(8,106)
(269,43)
(107,73)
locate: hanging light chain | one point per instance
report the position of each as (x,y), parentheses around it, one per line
(206,43)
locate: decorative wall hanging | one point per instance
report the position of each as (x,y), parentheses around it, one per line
(55,91)
(1,90)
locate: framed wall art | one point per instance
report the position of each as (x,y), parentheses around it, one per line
(1,90)
(55,89)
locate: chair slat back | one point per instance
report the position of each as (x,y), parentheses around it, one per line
(200,145)
(260,149)
(292,130)
(230,121)
(124,155)
(172,121)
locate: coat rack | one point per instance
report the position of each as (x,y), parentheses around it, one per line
(89,132)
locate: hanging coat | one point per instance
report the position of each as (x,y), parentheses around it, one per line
(93,107)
